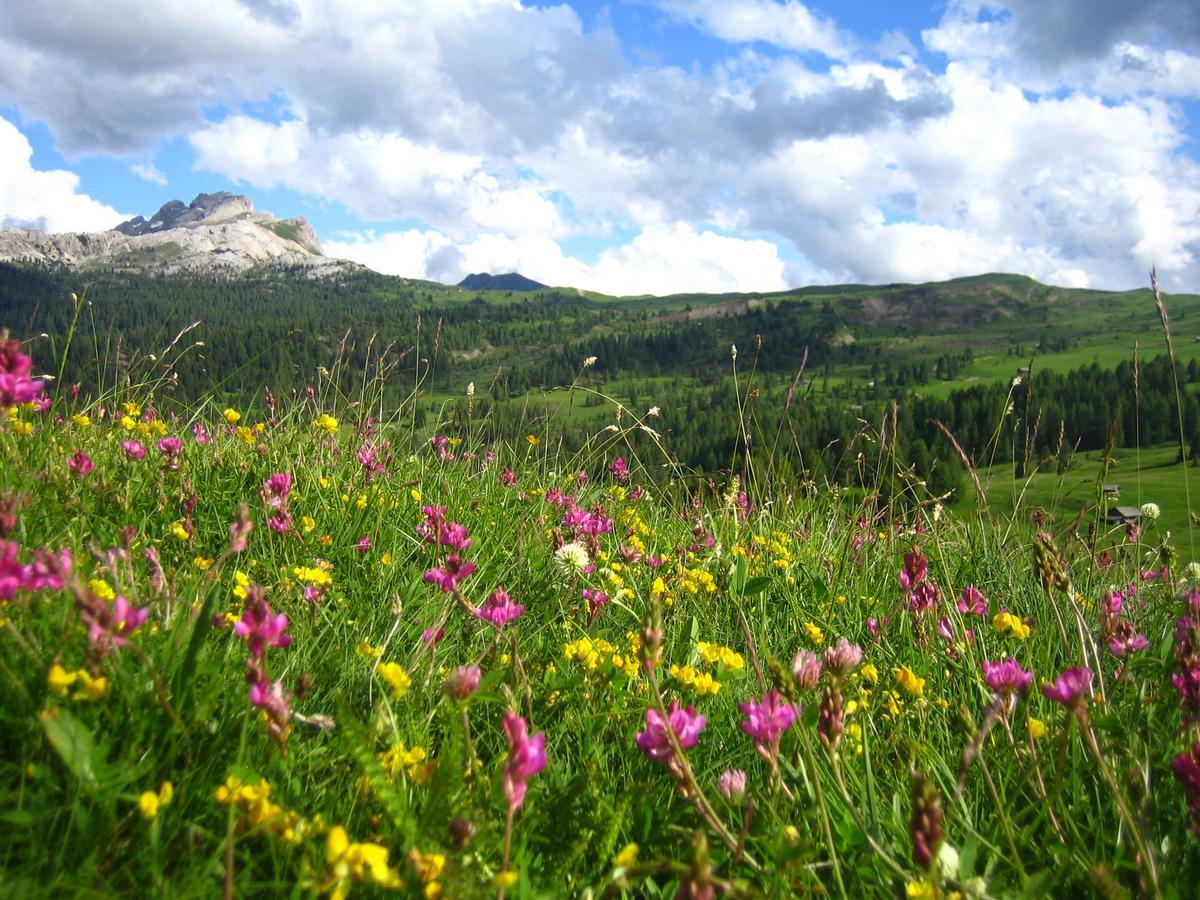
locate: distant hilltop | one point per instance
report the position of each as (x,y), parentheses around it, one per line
(216,234)
(510,281)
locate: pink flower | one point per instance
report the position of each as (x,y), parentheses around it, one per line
(596,600)
(1125,641)
(916,567)
(526,757)
(364,544)
(463,682)
(280,522)
(447,577)
(732,785)
(499,609)
(81,464)
(972,602)
(1007,677)
(685,723)
(806,666)
(275,489)
(200,434)
(843,658)
(1070,688)
(431,637)
(133,450)
(170,447)
(766,720)
(259,627)
(15,384)
(620,469)
(508,478)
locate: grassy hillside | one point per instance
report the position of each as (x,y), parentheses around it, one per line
(281,652)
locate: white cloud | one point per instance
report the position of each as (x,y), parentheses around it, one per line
(377,176)
(495,130)
(147,171)
(46,200)
(662,259)
(788,24)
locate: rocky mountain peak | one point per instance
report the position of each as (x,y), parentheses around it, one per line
(206,209)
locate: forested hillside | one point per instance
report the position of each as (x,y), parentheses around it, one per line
(1015,370)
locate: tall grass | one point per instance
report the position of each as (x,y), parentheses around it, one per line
(376,765)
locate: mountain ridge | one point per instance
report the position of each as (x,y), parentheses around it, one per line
(219,235)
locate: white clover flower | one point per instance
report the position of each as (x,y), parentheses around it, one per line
(1192,572)
(590,361)
(471,389)
(571,559)
(1151,511)
(653,411)
(948,861)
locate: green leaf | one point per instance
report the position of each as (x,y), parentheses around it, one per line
(757,585)
(75,745)
(737,577)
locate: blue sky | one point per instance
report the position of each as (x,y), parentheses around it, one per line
(631,146)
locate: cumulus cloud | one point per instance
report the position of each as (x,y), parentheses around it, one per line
(45,200)
(662,259)
(1037,137)
(147,171)
(378,176)
(788,24)
(1110,46)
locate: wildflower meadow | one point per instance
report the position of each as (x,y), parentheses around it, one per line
(303,648)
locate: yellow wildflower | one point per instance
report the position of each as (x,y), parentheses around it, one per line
(394,674)
(1037,728)
(505,879)
(533,440)
(910,681)
(82,420)
(232,416)
(179,530)
(90,688)
(815,634)
(150,802)
(101,589)
(60,680)
(869,673)
(627,857)
(1005,621)
(326,423)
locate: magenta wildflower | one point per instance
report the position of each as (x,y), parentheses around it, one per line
(170,447)
(972,602)
(364,544)
(259,627)
(81,463)
(276,488)
(684,722)
(1186,767)
(200,433)
(766,721)
(1006,677)
(280,522)
(463,682)
(448,576)
(843,658)
(16,386)
(431,636)
(526,757)
(508,478)
(133,450)
(1070,688)
(596,601)
(12,573)
(274,700)
(1125,640)
(916,567)
(109,626)
(619,469)
(499,609)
